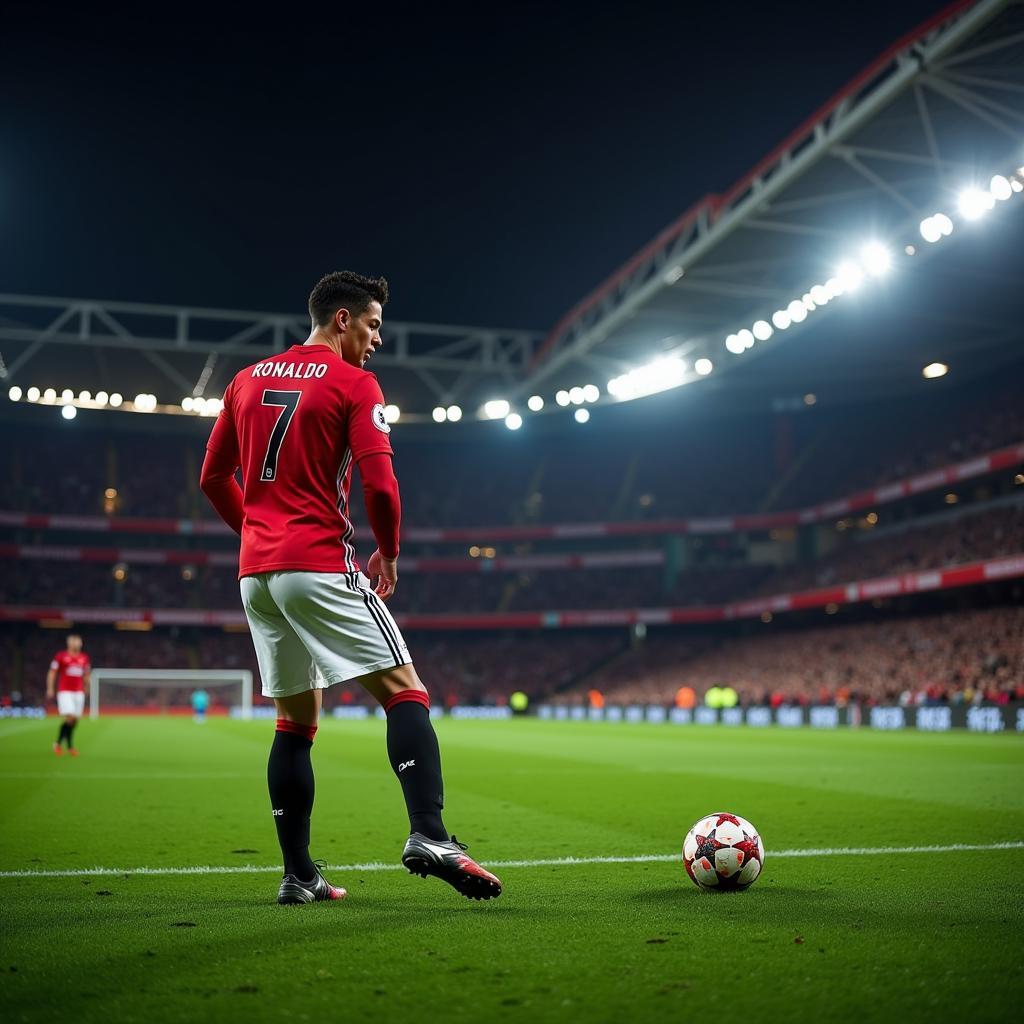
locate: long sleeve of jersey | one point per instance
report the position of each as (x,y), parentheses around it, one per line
(218,483)
(383,505)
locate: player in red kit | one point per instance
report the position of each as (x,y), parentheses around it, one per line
(296,423)
(69,675)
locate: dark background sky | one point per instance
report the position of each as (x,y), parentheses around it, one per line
(494,164)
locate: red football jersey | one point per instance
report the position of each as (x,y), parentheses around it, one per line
(296,422)
(71,670)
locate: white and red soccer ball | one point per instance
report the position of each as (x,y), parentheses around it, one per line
(723,852)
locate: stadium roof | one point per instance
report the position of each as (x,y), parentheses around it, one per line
(941,111)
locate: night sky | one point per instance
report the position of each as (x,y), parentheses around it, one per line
(495,165)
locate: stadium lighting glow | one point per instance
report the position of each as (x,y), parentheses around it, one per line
(562,398)
(974,203)
(933,370)
(591,393)
(1000,187)
(454,413)
(69,412)
(535,403)
(576,396)
(734,345)
(781,320)
(762,330)
(496,409)
(116,400)
(833,287)
(67,395)
(661,375)
(145,402)
(392,414)
(32,394)
(850,276)
(703,367)
(1017,186)
(797,311)
(49,395)
(440,414)
(14,394)
(808,300)
(214,406)
(876,259)
(188,403)
(746,337)
(820,295)
(513,421)
(582,415)
(102,398)
(85,396)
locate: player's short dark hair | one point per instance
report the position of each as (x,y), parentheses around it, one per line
(344,289)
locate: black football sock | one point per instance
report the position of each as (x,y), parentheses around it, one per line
(63,732)
(416,760)
(290,779)
(71,734)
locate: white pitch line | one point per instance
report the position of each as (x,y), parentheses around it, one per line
(648,858)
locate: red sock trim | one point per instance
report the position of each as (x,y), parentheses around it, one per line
(420,696)
(286,725)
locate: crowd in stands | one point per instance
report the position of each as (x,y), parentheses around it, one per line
(955,656)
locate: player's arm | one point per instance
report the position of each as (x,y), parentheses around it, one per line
(217,477)
(384,511)
(87,678)
(368,438)
(51,680)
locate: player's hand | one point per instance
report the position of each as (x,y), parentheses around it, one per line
(385,572)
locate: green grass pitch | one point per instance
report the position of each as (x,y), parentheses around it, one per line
(859,937)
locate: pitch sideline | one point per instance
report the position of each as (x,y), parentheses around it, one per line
(651,858)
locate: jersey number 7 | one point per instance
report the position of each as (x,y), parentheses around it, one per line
(288,402)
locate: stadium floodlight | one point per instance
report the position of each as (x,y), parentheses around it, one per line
(734,345)
(762,330)
(67,395)
(850,275)
(808,300)
(188,403)
(562,398)
(820,295)
(213,406)
(392,414)
(703,366)
(576,396)
(834,287)
(33,394)
(102,398)
(781,320)
(933,370)
(116,400)
(14,394)
(1000,187)
(930,231)
(535,403)
(876,259)
(513,421)
(497,409)
(591,393)
(582,415)
(1017,186)
(85,396)
(440,414)
(49,395)
(69,412)
(746,337)
(797,311)
(974,203)
(661,375)
(454,413)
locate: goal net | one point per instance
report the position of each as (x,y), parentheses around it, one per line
(167,689)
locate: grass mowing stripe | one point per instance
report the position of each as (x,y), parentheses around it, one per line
(647,858)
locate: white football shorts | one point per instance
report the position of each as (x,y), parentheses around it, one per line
(314,629)
(70,702)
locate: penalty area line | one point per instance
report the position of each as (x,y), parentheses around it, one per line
(553,862)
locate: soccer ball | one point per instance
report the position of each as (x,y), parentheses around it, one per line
(723,852)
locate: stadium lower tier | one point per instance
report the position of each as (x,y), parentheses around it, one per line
(946,654)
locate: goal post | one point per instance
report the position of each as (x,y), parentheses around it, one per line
(106,679)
